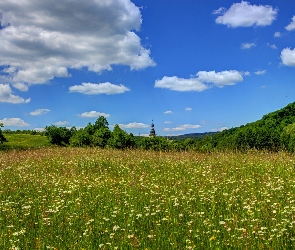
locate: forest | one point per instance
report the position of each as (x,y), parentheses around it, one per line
(274,132)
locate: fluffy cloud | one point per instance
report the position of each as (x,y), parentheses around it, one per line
(188,109)
(41,40)
(40,112)
(93,114)
(61,123)
(291,26)
(260,72)
(7,96)
(14,122)
(245,15)
(180,84)
(168,112)
(182,127)
(220,79)
(288,57)
(101,88)
(277,34)
(247,45)
(219,129)
(39,129)
(133,125)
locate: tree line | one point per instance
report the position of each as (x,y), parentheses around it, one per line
(274,132)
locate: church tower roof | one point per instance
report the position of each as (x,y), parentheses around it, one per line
(152,132)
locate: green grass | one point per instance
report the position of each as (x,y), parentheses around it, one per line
(24,141)
(73,198)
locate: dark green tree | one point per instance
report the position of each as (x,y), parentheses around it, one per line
(288,137)
(101,122)
(80,138)
(58,136)
(89,129)
(96,134)
(121,139)
(157,143)
(101,136)
(2,138)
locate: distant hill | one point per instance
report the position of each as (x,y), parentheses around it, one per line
(192,136)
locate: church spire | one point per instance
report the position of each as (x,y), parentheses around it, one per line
(152,132)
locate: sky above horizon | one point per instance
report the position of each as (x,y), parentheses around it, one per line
(190,66)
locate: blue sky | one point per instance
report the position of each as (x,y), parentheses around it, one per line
(190,66)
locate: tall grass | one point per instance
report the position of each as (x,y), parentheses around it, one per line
(72,198)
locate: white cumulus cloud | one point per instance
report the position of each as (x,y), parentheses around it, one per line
(40,112)
(244,14)
(219,129)
(220,79)
(100,88)
(93,114)
(133,125)
(188,109)
(288,57)
(39,129)
(291,26)
(168,112)
(6,95)
(277,34)
(14,122)
(41,40)
(180,84)
(61,123)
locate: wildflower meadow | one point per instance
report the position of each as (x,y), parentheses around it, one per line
(91,198)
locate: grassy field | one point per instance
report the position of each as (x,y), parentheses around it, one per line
(24,141)
(72,198)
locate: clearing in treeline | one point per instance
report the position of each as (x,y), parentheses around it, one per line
(92,198)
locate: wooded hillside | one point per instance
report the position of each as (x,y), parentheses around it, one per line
(275,131)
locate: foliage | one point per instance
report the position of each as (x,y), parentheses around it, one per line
(92,198)
(58,135)
(96,134)
(288,137)
(2,138)
(120,139)
(273,132)
(101,136)
(80,138)
(155,143)
(101,123)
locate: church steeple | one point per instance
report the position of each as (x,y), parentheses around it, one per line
(152,132)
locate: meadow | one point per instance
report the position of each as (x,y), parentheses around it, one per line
(24,141)
(91,198)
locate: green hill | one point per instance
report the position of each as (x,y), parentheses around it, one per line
(275,131)
(191,136)
(24,141)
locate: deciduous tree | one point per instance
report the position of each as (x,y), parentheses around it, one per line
(2,138)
